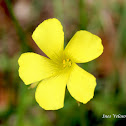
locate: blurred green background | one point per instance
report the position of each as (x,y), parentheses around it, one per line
(105,18)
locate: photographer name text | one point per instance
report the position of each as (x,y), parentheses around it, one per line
(113,116)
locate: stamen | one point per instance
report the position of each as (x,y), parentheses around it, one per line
(67,63)
(64,65)
(68,60)
(64,61)
(70,63)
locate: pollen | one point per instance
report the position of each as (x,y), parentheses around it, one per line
(67,63)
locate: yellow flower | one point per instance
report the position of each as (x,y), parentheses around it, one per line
(61,69)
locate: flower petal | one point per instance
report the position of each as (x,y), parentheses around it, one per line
(81,84)
(50,92)
(49,37)
(84,47)
(34,67)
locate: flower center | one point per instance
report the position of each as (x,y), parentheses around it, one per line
(67,63)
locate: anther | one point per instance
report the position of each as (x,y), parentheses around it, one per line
(67,63)
(70,63)
(64,61)
(68,60)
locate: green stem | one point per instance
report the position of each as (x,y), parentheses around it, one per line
(82,15)
(21,108)
(58,10)
(122,32)
(18,28)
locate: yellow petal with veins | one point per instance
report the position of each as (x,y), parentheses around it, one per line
(81,84)
(49,37)
(50,92)
(34,67)
(84,47)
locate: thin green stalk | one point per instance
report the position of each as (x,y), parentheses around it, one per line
(82,15)
(58,10)
(59,6)
(21,108)
(122,32)
(18,28)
